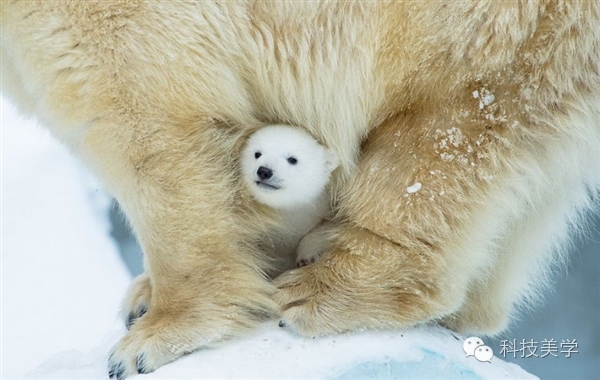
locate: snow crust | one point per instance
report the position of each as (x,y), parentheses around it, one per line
(414,188)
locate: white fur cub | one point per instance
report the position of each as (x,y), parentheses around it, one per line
(285,168)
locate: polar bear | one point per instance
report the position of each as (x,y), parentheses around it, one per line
(285,168)
(468,136)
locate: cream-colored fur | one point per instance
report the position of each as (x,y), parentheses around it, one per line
(492,106)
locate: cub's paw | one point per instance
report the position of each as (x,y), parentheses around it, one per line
(311,247)
(300,262)
(137,300)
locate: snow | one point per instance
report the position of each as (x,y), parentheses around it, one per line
(63,279)
(273,353)
(414,188)
(486,97)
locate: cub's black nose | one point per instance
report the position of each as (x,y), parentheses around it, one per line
(264,173)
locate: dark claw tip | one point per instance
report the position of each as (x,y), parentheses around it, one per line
(111,367)
(129,321)
(115,370)
(132,317)
(281,323)
(142,310)
(140,364)
(120,371)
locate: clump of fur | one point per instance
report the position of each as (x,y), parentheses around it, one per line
(285,168)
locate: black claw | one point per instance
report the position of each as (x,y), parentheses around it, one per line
(132,317)
(281,323)
(120,371)
(115,370)
(140,364)
(142,310)
(111,367)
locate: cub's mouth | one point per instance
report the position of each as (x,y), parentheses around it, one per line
(266,185)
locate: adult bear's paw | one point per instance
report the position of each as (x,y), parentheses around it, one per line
(151,343)
(184,319)
(367,283)
(309,305)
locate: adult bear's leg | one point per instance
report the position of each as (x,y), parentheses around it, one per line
(409,242)
(90,72)
(429,227)
(203,281)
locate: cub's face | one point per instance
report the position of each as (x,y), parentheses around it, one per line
(285,167)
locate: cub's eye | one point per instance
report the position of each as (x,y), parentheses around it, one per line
(292,160)
(257,154)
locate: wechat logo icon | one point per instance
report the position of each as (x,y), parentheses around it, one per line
(474,346)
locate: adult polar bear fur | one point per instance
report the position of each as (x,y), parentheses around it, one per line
(492,106)
(286,169)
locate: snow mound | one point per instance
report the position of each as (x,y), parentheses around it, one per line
(428,352)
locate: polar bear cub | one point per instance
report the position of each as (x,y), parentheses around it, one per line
(285,168)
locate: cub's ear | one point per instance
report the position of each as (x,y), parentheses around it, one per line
(332,160)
